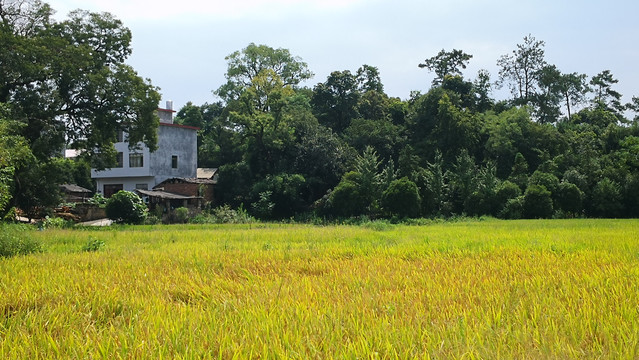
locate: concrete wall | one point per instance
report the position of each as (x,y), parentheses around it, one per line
(128,183)
(174,140)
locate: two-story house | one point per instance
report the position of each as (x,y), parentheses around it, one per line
(175,157)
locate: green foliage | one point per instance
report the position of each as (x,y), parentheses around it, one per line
(537,203)
(513,208)
(569,198)
(226,215)
(446,63)
(126,207)
(549,181)
(97,199)
(401,198)
(17,240)
(181,215)
(606,199)
(279,196)
(54,223)
(348,198)
(93,245)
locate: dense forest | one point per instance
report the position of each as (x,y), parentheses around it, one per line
(562,145)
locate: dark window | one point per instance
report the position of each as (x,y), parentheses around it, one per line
(111,189)
(120,136)
(174,161)
(119,160)
(142,186)
(136,160)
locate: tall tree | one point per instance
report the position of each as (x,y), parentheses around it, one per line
(520,69)
(245,65)
(335,101)
(446,63)
(68,80)
(605,95)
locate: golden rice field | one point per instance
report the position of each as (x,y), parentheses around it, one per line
(559,289)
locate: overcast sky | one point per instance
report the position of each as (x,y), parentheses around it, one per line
(181,45)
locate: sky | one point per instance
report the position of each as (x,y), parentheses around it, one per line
(181,45)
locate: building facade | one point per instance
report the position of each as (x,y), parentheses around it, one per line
(176,156)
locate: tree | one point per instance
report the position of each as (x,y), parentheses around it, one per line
(537,202)
(369,80)
(520,69)
(245,65)
(569,198)
(482,88)
(446,63)
(401,198)
(75,85)
(66,83)
(14,153)
(126,207)
(604,94)
(335,101)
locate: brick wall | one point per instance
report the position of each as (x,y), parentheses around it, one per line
(190,190)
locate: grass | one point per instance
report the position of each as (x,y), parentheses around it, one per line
(475,289)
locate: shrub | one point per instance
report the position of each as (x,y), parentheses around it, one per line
(606,199)
(225,215)
(181,215)
(347,199)
(53,223)
(537,202)
(402,198)
(125,207)
(15,240)
(569,198)
(513,208)
(93,245)
(549,181)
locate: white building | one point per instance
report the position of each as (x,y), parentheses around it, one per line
(176,156)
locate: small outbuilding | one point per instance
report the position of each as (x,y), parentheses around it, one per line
(75,194)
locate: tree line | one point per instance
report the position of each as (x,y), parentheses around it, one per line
(563,144)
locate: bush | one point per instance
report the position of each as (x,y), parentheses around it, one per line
(224,215)
(537,202)
(606,199)
(513,208)
(15,240)
(93,245)
(181,215)
(402,198)
(569,198)
(125,207)
(347,199)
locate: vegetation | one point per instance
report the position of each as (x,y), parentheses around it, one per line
(333,150)
(125,207)
(562,146)
(479,289)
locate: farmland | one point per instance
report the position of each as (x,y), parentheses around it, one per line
(472,289)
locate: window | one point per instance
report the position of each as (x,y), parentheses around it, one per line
(119,159)
(174,161)
(120,136)
(110,189)
(136,160)
(142,186)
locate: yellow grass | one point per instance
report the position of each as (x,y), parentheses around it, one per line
(471,290)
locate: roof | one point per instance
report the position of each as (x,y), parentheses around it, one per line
(179,126)
(165,195)
(206,173)
(178,180)
(73,188)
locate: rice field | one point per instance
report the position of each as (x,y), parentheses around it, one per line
(557,289)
